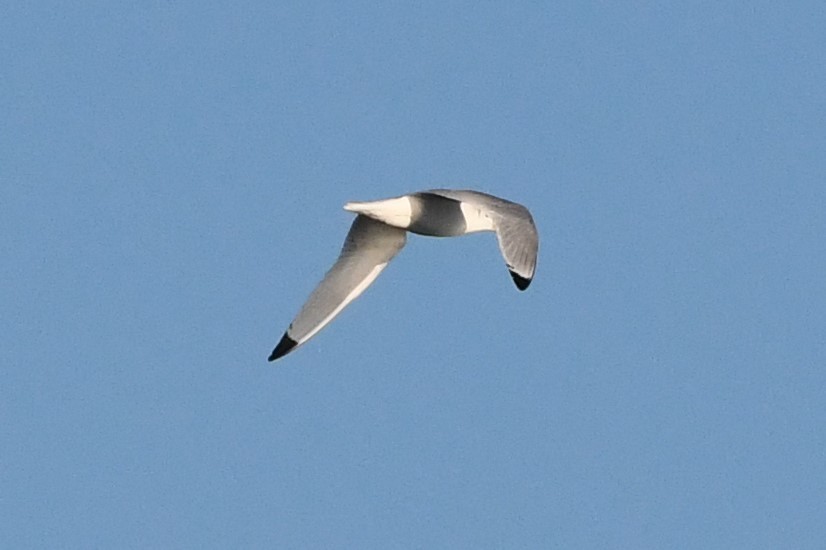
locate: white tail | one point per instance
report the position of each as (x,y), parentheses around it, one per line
(397,212)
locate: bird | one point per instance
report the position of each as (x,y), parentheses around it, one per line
(379,232)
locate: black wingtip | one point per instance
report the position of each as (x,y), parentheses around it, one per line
(284,347)
(521,282)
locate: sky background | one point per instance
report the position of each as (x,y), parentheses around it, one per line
(171,184)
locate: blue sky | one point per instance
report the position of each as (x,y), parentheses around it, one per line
(172,183)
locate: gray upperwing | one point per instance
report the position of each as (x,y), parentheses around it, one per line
(519,243)
(515,230)
(368,248)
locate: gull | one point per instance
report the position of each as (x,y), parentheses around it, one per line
(380,231)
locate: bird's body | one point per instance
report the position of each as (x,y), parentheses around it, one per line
(380,231)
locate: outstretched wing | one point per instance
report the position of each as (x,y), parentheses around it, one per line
(515,230)
(519,243)
(368,248)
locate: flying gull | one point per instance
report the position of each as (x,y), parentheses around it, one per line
(379,232)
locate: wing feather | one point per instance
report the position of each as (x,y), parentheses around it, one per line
(515,231)
(519,244)
(368,248)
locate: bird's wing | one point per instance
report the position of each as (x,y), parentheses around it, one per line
(368,248)
(515,230)
(519,244)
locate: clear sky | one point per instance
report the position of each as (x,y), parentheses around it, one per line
(172,178)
